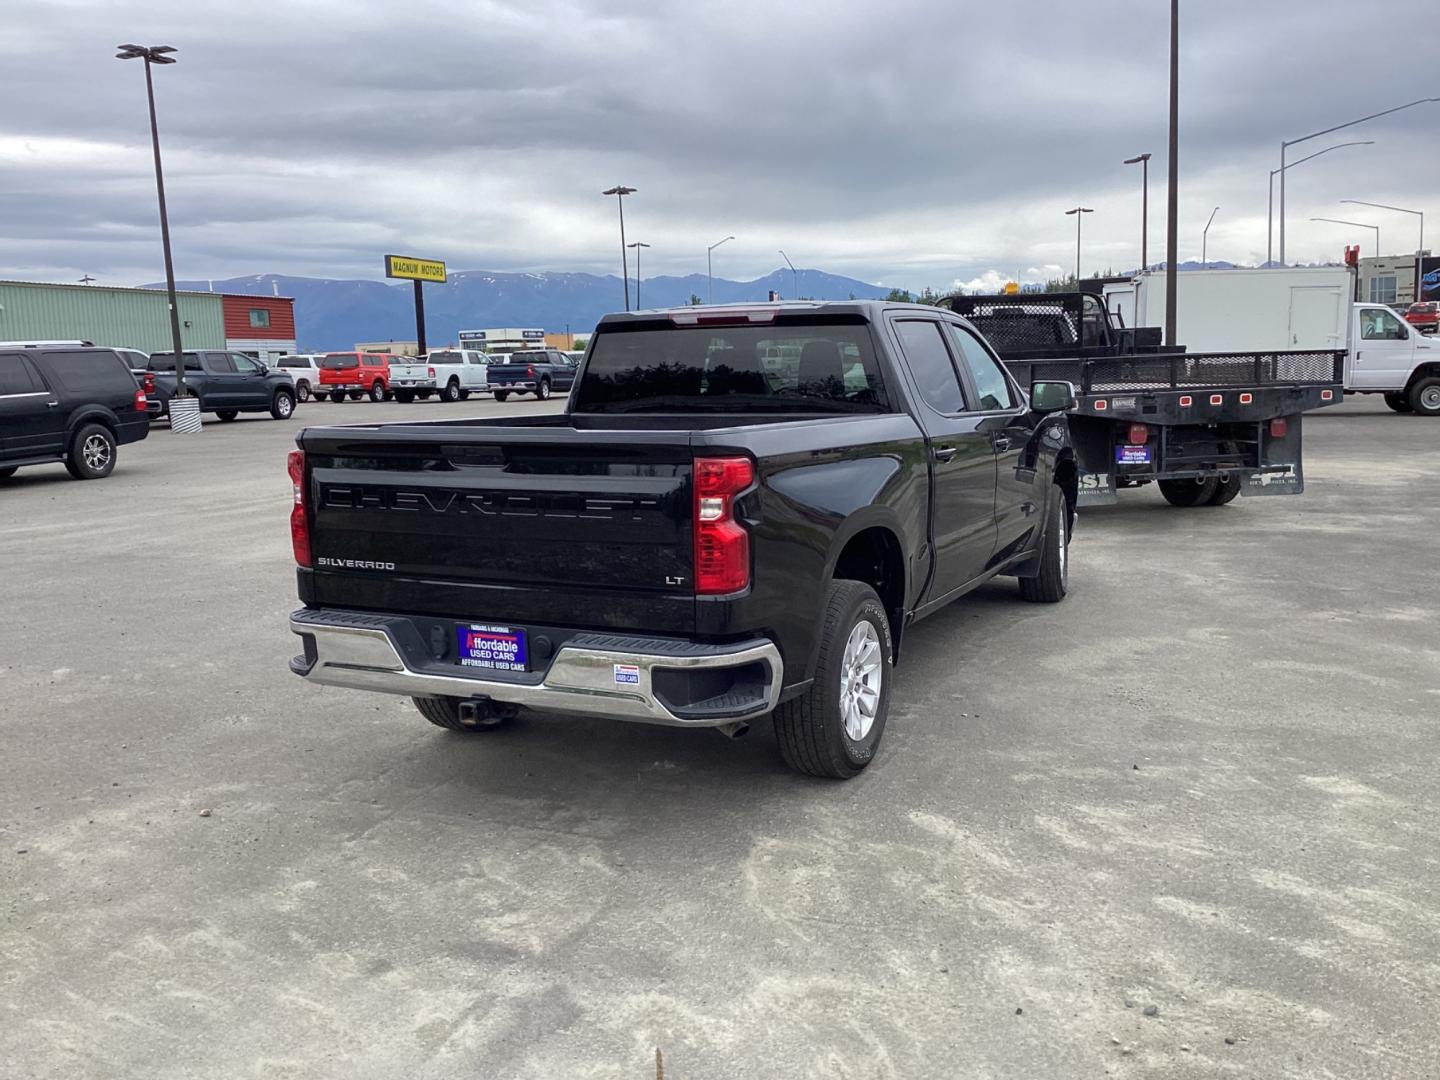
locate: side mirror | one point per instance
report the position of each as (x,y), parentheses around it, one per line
(1052,396)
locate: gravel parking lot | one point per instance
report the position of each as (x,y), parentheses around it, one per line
(1181,825)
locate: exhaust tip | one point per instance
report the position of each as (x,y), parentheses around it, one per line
(733,730)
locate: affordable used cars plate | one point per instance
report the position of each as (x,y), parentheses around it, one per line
(499,648)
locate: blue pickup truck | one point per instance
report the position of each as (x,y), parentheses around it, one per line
(534,371)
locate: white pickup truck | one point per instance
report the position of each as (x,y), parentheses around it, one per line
(1389,356)
(454,374)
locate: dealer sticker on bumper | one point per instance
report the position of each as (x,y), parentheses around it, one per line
(627,674)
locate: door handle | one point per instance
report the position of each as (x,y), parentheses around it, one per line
(52,404)
(1001,443)
(944,453)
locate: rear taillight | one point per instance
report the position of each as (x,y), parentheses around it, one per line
(722,544)
(140,401)
(1139,434)
(148,383)
(530,371)
(299,520)
(430,372)
(1278,427)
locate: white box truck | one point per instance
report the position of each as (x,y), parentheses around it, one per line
(1288,308)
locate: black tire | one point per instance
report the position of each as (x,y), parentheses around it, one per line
(92,453)
(227,414)
(1189,492)
(501,395)
(337,396)
(302,391)
(1053,582)
(811,728)
(450,391)
(1425,397)
(542,391)
(445,712)
(405,397)
(464,395)
(377,391)
(1399,402)
(8,471)
(1226,490)
(282,405)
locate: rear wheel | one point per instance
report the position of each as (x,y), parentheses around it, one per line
(1425,397)
(377,391)
(464,395)
(445,712)
(337,396)
(1189,492)
(302,390)
(1051,584)
(1399,402)
(834,728)
(227,414)
(282,406)
(92,453)
(501,395)
(1226,490)
(404,396)
(450,391)
(543,390)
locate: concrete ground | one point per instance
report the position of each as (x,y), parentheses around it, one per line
(1203,787)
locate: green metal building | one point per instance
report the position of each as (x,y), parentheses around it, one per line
(120,318)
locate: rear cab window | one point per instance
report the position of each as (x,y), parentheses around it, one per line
(790,365)
(340,361)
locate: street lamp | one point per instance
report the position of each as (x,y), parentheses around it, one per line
(160,54)
(1357,224)
(709,271)
(1172,179)
(1285,144)
(1143,160)
(1419,251)
(620,191)
(1270,205)
(1079,212)
(794,277)
(1205,238)
(637,245)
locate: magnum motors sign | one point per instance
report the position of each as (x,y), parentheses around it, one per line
(403,266)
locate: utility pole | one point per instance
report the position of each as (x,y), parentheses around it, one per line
(637,245)
(1079,212)
(1205,239)
(620,191)
(1143,160)
(794,277)
(1172,198)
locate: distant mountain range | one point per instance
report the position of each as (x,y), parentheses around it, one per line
(334,313)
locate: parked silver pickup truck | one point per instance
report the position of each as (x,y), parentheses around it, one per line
(454,374)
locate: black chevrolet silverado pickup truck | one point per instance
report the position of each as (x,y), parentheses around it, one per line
(739,513)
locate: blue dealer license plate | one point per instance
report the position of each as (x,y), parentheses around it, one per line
(496,647)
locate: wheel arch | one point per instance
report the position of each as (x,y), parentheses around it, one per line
(867,548)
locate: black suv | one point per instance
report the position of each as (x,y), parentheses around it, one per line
(227,383)
(74,405)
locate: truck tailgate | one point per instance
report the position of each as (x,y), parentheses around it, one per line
(519,524)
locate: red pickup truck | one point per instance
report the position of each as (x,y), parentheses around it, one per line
(1424,315)
(355,374)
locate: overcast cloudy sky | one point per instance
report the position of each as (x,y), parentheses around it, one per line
(911,143)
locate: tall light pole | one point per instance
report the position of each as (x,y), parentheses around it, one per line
(1205,239)
(1270,205)
(1286,144)
(794,277)
(160,54)
(1079,212)
(709,267)
(1143,160)
(1357,224)
(620,191)
(1172,196)
(1419,251)
(637,245)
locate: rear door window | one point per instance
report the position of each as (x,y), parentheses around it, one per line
(16,376)
(89,372)
(218,364)
(934,372)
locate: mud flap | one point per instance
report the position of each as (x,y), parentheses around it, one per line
(1289,482)
(1096,489)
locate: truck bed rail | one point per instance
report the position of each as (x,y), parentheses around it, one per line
(1178,371)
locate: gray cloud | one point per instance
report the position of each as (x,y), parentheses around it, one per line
(922,143)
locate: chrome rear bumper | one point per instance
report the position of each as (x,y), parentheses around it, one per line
(590,673)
